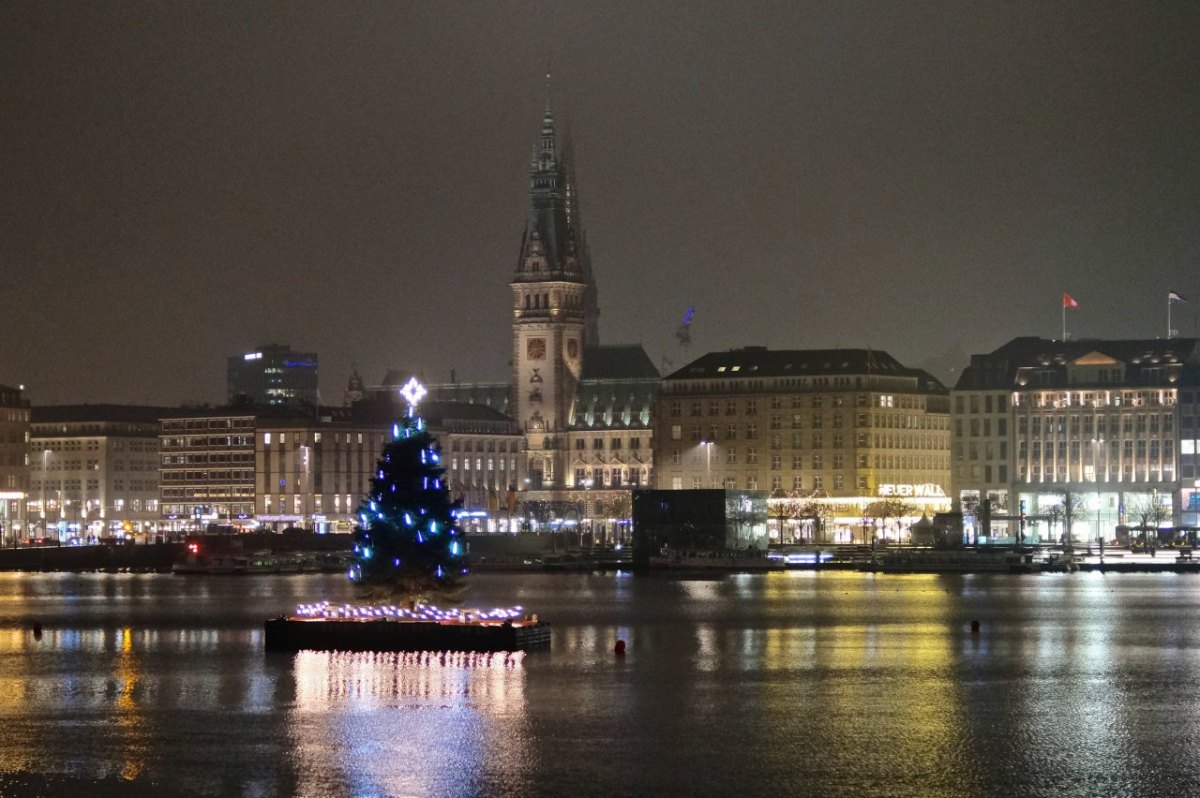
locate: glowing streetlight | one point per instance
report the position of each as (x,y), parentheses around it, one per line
(707,462)
(45,466)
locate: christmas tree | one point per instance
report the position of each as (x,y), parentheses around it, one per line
(408,544)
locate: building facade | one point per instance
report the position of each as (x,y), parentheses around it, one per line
(312,471)
(94,472)
(853,432)
(1189,446)
(1071,439)
(273,375)
(14,458)
(207,469)
(554,310)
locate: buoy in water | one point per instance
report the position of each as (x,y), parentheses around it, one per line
(975,627)
(619,648)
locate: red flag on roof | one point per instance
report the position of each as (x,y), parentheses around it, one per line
(1068,302)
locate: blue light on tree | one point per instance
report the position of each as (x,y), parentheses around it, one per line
(395,556)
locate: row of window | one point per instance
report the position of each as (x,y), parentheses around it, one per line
(199,442)
(206,423)
(493,463)
(206,458)
(730,483)
(1098,399)
(610,477)
(223,475)
(1083,425)
(816,440)
(614,443)
(1151,472)
(301,438)
(988,403)
(982,427)
(457,445)
(71,511)
(1114,447)
(210,492)
(729,407)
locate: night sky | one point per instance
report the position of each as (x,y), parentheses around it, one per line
(183,181)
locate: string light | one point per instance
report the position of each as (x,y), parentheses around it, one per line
(421,612)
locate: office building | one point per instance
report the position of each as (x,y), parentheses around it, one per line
(14,477)
(848,436)
(94,471)
(273,375)
(1072,439)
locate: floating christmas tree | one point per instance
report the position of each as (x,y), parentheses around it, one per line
(408,545)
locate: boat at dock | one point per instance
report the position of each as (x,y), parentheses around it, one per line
(743,560)
(917,561)
(263,562)
(213,565)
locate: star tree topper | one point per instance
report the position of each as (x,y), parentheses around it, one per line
(413,392)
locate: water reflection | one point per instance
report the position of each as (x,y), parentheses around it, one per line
(409,723)
(831,684)
(129,720)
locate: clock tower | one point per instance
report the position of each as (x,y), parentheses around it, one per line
(554,309)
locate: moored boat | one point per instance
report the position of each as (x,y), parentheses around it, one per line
(963,562)
(744,560)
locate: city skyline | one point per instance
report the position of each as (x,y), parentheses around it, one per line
(186,183)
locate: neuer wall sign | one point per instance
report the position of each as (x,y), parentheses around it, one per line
(928,489)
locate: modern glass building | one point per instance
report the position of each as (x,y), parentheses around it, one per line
(274,375)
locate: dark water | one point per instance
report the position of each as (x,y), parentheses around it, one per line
(830,684)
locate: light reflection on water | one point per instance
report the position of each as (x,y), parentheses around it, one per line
(441,714)
(781,684)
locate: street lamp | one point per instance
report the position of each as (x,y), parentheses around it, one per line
(1097,444)
(45,466)
(587,485)
(306,488)
(707,462)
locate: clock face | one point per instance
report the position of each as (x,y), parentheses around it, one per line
(536,349)
(572,349)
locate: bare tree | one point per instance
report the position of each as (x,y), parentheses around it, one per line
(619,508)
(890,508)
(820,513)
(1072,508)
(1149,512)
(783,506)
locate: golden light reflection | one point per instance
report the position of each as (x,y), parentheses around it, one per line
(1080,662)
(129,720)
(881,667)
(14,695)
(441,714)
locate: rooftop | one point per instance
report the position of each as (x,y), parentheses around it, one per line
(758,361)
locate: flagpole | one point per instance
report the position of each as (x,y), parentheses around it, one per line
(1064,315)
(1168,317)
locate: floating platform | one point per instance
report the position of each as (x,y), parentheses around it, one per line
(386,634)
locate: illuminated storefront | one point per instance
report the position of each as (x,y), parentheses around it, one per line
(1074,441)
(835,437)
